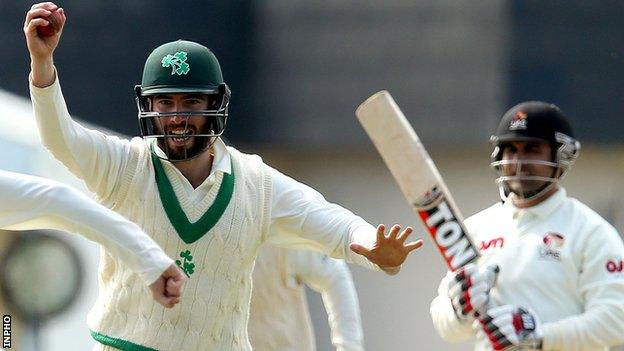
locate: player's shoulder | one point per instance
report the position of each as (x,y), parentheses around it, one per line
(588,218)
(243,155)
(253,160)
(486,214)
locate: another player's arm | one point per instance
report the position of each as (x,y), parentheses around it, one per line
(301,218)
(332,279)
(36,203)
(89,154)
(602,322)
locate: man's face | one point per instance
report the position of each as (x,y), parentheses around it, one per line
(518,156)
(181,147)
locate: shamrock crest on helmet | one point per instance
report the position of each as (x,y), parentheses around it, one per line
(177,62)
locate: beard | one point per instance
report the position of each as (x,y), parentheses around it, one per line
(193,147)
(525,189)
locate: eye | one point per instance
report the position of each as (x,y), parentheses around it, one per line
(509,148)
(163,102)
(533,148)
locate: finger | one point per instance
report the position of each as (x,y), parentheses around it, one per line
(36,13)
(501,310)
(63,18)
(405,234)
(45,5)
(174,288)
(360,250)
(380,233)
(413,245)
(466,271)
(394,231)
(168,302)
(32,25)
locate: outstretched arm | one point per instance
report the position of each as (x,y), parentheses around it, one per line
(36,203)
(332,279)
(301,218)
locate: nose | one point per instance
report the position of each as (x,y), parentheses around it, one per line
(177,119)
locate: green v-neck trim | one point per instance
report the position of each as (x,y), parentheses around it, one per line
(187,231)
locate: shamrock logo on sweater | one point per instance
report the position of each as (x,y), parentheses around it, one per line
(186,265)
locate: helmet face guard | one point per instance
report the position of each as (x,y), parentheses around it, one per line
(512,179)
(539,122)
(182,68)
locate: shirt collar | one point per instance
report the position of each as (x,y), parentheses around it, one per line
(221,161)
(541,210)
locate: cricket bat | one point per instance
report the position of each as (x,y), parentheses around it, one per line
(418,177)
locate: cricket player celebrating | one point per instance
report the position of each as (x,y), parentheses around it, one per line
(279,319)
(36,203)
(209,205)
(560,284)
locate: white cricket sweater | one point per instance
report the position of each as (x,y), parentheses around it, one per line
(121,174)
(560,259)
(279,318)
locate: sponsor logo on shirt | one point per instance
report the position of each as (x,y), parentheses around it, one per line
(496,243)
(615,266)
(552,243)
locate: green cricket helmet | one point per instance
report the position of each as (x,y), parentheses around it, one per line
(183,67)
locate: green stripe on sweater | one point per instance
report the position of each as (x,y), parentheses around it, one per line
(187,231)
(121,344)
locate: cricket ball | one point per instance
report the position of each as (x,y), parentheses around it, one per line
(54,25)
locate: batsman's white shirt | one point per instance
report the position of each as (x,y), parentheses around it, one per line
(560,259)
(28,203)
(213,314)
(279,319)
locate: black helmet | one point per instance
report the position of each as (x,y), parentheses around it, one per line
(535,121)
(538,121)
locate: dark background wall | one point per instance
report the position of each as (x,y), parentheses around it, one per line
(105,43)
(571,53)
(298,69)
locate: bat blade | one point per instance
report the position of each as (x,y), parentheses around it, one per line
(418,177)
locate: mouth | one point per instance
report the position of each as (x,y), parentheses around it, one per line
(180,136)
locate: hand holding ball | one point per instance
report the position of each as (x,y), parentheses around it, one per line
(53,26)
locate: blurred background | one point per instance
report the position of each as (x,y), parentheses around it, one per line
(298,69)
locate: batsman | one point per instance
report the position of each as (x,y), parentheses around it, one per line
(560,284)
(205,203)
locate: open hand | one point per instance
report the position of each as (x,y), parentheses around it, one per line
(390,251)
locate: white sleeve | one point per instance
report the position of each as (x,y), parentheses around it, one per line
(332,279)
(443,316)
(96,158)
(30,203)
(301,218)
(602,290)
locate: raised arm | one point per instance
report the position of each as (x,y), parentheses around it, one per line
(30,203)
(332,279)
(90,155)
